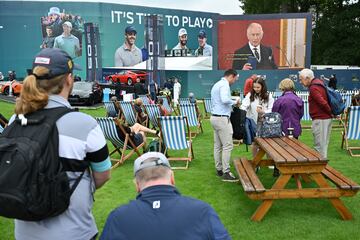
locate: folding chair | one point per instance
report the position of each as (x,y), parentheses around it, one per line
(108,126)
(351,129)
(166,103)
(144,99)
(173,134)
(189,110)
(1,129)
(207,106)
(128,112)
(184,100)
(306,116)
(153,112)
(347,99)
(111,109)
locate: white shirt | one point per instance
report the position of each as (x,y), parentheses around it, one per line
(250,107)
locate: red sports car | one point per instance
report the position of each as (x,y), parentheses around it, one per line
(16,87)
(127,77)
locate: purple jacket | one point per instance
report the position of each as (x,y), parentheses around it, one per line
(291,109)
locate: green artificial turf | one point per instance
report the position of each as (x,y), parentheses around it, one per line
(287,219)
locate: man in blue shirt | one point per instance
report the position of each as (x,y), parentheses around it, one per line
(159,211)
(220,121)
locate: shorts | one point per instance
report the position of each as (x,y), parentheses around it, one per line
(138,139)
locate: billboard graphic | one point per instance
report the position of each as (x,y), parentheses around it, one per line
(269,42)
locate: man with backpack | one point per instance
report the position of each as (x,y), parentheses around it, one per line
(320,110)
(78,147)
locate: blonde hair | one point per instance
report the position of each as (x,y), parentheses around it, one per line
(35,93)
(138,101)
(287,85)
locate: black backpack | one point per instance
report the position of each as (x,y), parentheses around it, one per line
(270,125)
(237,119)
(33,183)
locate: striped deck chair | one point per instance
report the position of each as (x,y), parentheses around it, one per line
(173,131)
(347,99)
(184,100)
(189,110)
(306,116)
(153,111)
(207,106)
(166,103)
(111,110)
(128,112)
(351,130)
(1,129)
(108,126)
(144,99)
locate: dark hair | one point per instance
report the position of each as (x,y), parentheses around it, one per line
(160,101)
(230,72)
(263,95)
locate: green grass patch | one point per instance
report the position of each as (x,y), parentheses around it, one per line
(287,219)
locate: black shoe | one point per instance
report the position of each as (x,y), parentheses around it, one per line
(219,173)
(229,177)
(276,172)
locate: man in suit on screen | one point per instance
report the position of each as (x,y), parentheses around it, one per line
(254,55)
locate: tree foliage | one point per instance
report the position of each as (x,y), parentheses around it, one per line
(336,26)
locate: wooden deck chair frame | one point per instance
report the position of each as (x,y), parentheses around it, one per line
(207,102)
(191,108)
(352,120)
(152,117)
(190,154)
(120,145)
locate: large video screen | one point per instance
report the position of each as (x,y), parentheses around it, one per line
(268,42)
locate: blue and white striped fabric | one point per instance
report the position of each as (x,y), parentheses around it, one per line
(108,127)
(347,99)
(166,103)
(110,109)
(144,99)
(1,129)
(353,131)
(189,110)
(153,112)
(173,130)
(277,94)
(306,115)
(208,106)
(128,112)
(184,100)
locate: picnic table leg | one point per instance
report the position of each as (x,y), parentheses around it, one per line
(259,155)
(266,204)
(336,202)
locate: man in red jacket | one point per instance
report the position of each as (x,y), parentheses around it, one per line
(320,110)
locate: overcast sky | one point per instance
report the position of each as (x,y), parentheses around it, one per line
(225,7)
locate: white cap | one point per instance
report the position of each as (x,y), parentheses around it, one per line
(54,10)
(182,31)
(67,23)
(157,159)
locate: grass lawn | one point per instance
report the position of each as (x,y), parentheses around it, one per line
(287,219)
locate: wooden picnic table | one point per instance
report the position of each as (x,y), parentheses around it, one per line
(293,159)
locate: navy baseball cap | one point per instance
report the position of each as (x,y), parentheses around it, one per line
(130,29)
(202,34)
(150,159)
(56,60)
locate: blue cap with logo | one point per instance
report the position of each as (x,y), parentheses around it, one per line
(56,60)
(202,34)
(130,29)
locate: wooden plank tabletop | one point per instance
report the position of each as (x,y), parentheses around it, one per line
(289,150)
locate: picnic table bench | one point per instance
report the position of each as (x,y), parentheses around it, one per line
(293,159)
